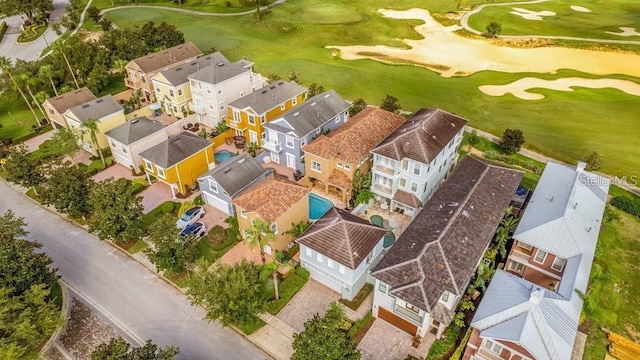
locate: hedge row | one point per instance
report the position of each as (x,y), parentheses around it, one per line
(508,159)
(627,204)
(287,289)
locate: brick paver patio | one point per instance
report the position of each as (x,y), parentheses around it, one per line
(155,195)
(313,298)
(115,171)
(33,143)
(384,341)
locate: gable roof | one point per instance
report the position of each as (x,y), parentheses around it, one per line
(342,237)
(268,97)
(175,149)
(440,249)
(179,75)
(353,141)
(236,174)
(220,71)
(134,130)
(71,99)
(96,109)
(271,198)
(310,115)
(514,309)
(407,198)
(422,137)
(164,58)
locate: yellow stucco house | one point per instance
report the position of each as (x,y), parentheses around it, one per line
(179,161)
(332,160)
(106,110)
(278,201)
(247,114)
(57,105)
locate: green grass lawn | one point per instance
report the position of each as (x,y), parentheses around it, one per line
(15,118)
(138,246)
(604,16)
(212,6)
(579,130)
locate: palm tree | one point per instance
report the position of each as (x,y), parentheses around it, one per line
(27,79)
(298,229)
(58,46)
(5,66)
(270,269)
(47,71)
(91,126)
(259,235)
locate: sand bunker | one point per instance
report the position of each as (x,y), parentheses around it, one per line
(531,15)
(519,87)
(580,9)
(626,31)
(443,51)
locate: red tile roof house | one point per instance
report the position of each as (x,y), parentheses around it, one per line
(420,281)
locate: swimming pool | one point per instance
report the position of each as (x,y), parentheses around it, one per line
(223,156)
(318,206)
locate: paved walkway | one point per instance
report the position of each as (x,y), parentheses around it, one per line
(464,22)
(155,195)
(35,142)
(384,341)
(194,12)
(275,338)
(115,171)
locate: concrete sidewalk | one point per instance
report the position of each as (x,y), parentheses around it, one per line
(275,338)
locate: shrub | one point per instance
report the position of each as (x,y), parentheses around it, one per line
(3,29)
(627,204)
(217,235)
(185,206)
(443,348)
(512,140)
(303,273)
(292,250)
(289,287)
(198,200)
(508,159)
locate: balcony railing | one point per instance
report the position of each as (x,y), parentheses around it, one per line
(519,254)
(196,108)
(128,82)
(383,188)
(267,145)
(407,314)
(384,169)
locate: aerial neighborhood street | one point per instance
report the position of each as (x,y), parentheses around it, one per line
(319,179)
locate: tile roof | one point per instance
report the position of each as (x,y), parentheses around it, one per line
(271,198)
(422,137)
(220,71)
(407,198)
(269,97)
(440,249)
(339,179)
(342,237)
(134,130)
(310,115)
(179,75)
(164,58)
(175,149)
(96,109)
(71,99)
(353,141)
(236,174)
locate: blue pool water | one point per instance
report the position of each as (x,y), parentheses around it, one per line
(223,156)
(318,206)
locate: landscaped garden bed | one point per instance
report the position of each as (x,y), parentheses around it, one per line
(360,297)
(287,289)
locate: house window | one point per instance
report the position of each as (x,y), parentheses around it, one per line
(219,90)
(516,267)
(382,287)
(274,228)
(320,257)
(289,142)
(241,93)
(208,88)
(414,187)
(316,166)
(339,165)
(330,263)
(403,183)
(425,188)
(369,258)
(294,101)
(337,119)
(309,252)
(211,105)
(525,246)
(347,167)
(171,93)
(445,296)
(236,115)
(157,90)
(252,120)
(243,213)
(262,119)
(282,107)
(416,169)
(179,92)
(113,144)
(558,264)
(540,256)
(492,347)
(148,165)
(161,172)
(222,105)
(343,269)
(407,306)
(405,164)
(124,149)
(213,186)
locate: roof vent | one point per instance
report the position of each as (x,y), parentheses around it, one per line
(178,69)
(241,161)
(581,166)
(220,64)
(84,106)
(280,82)
(327,96)
(99,101)
(272,87)
(263,92)
(227,170)
(313,103)
(175,139)
(296,113)
(134,121)
(550,199)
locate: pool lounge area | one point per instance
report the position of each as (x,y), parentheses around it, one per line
(222,156)
(318,206)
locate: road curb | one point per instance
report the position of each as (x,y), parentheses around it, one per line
(66,309)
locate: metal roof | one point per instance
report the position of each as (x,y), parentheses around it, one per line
(134,130)
(220,71)
(179,75)
(96,109)
(269,97)
(236,174)
(175,149)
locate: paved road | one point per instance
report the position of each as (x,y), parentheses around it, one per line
(128,294)
(10,47)
(464,22)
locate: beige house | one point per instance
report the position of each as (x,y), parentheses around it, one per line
(280,202)
(333,159)
(57,105)
(138,72)
(105,110)
(128,140)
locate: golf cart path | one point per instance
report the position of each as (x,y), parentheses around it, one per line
(464,22)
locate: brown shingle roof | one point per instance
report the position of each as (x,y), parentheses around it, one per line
(407,198)
(71,99)
(342,237)
(353,141)
(440,249)
(271,198)
(161,59)
(339,179)
(422,137)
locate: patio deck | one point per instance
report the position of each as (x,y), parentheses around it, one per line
(398,222)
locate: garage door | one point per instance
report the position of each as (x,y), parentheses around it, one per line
(397,321)
(324,280)
(122,160)
(216,203)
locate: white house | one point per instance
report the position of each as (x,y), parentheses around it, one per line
(128,140)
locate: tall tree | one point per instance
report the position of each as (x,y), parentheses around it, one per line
(358,105)
(512,140)
(68,190)
(30,8)
(60,48)
(65,141)
(28,80)
(47,71)
(5,66)
(259,235)
(325,338)
(229,293)
(22,169)
(170,252)
(117,214)
(119,349)
(98,78)
(593,161)
(494,29)
(391,104)
(315,89)
(91,126)
(298,229)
